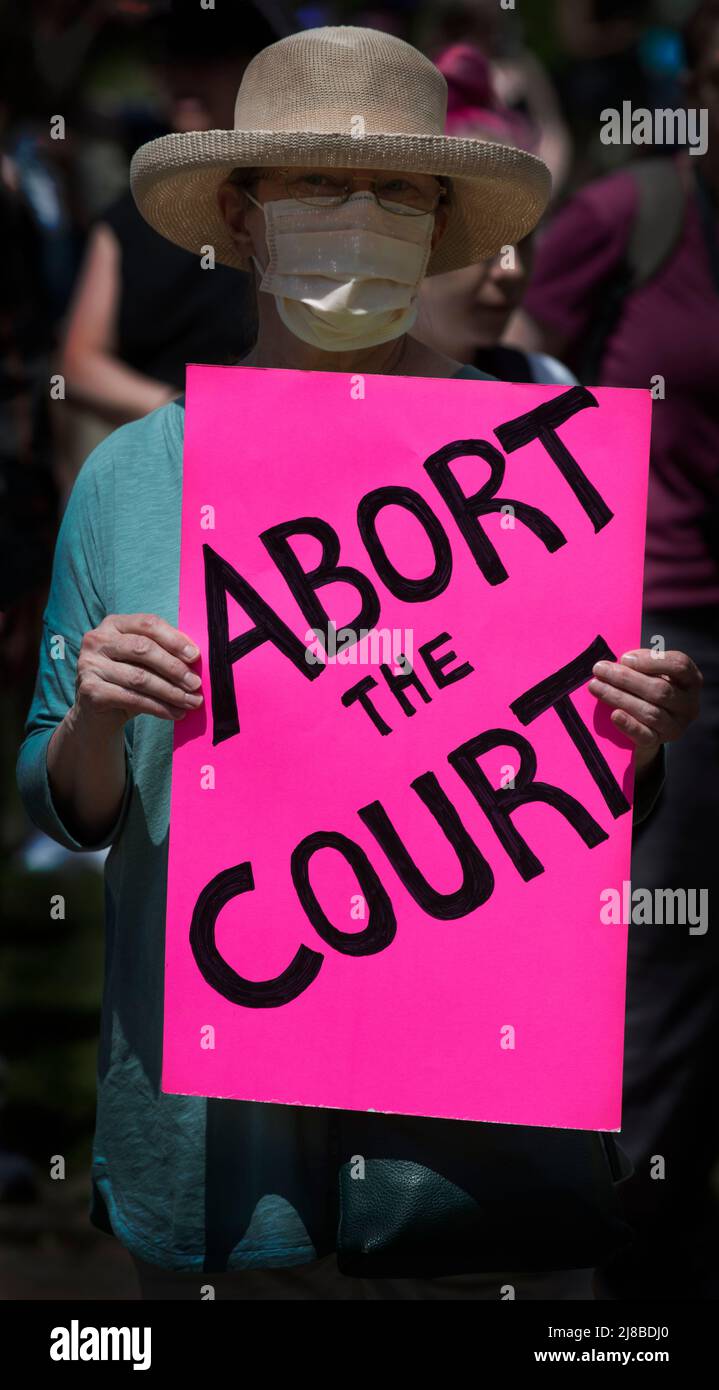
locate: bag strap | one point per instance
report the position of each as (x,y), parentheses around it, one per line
(708,214)
(656,228)
(659,217)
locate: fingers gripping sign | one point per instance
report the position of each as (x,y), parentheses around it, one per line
(136,663)
(652,698)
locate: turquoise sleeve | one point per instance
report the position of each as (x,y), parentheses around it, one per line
(77,602)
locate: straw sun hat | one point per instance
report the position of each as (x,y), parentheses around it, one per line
(342,97)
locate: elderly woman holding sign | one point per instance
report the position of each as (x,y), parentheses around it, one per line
(339,188)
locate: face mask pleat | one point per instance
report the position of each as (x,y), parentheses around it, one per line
(345,276)
(343,254)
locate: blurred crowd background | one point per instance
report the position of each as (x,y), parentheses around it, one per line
(98,316)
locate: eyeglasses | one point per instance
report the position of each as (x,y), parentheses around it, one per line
(395,193)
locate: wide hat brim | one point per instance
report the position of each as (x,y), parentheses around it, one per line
(499,192)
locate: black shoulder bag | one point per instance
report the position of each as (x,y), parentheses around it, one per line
(425,1197)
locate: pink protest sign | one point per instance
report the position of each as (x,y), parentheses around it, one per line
(394,817)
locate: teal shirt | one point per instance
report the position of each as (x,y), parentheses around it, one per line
(183,1181)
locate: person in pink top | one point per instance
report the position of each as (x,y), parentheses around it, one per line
(664,337)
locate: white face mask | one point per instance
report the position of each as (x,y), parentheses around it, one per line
(344,277)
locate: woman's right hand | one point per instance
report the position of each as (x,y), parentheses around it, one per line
(134,663)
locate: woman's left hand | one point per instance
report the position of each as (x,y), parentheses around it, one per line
(653,697)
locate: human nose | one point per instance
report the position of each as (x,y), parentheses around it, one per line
(507,270)
(361,185)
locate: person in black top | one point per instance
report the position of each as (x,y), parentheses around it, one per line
(169,311)
(143,308)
